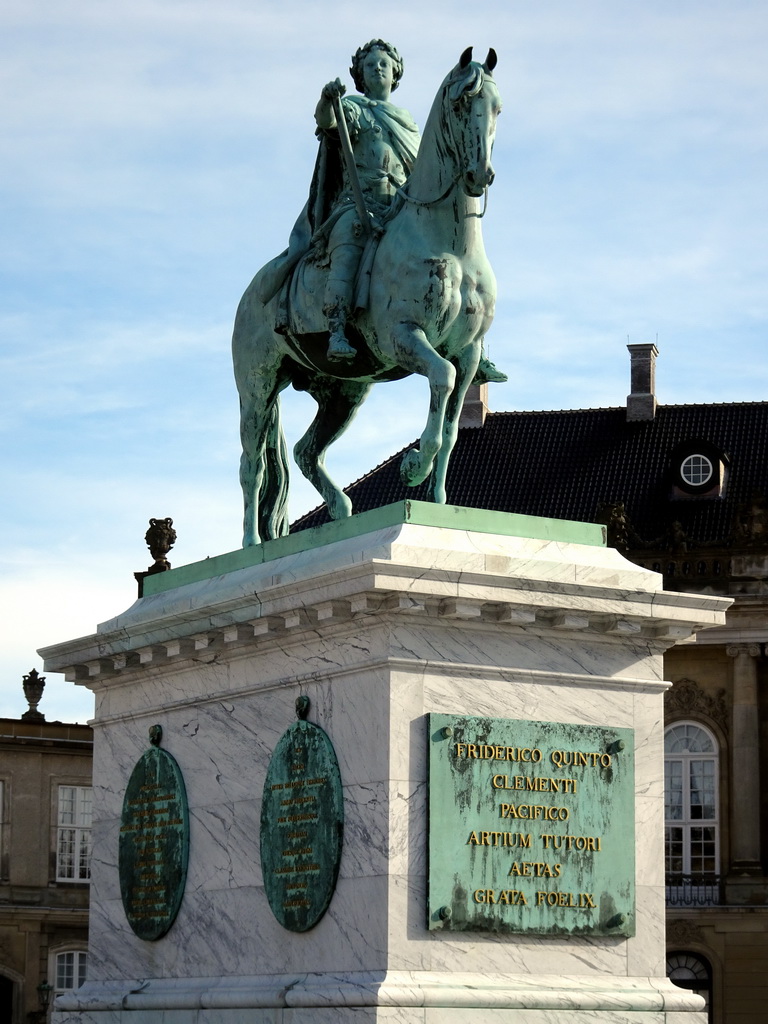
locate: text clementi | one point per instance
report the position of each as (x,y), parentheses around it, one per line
(534,783)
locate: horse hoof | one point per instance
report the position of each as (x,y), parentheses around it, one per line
(412,471)
(341,508)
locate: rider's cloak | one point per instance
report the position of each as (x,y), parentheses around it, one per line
(318,215)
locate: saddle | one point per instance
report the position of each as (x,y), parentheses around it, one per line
(301,298)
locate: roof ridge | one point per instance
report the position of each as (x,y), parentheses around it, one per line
(621,408)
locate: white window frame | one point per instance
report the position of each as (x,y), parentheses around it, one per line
(687,822)
(73,837)
(79,966)
(694,464)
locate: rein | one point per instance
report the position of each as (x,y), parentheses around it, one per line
(400,190)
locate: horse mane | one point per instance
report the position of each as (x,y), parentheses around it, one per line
(467,81)
(462,82)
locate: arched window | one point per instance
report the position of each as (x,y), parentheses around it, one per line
(69,973)
(688,970)
(691,819)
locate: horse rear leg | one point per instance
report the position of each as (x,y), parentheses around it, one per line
(337,403)
(263,466)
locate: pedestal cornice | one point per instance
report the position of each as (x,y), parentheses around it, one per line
(535,586)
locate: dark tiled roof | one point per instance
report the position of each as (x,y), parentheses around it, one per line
(565,465)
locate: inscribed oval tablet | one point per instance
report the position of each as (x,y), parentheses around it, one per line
(154,844)
(302,822)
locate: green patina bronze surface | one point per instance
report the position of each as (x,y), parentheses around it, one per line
(154,842)
(385,275)
(302,823)
(531,827)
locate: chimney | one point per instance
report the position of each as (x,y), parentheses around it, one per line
(475,407)
(641,403)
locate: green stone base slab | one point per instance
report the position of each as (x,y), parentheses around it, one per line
(418,513)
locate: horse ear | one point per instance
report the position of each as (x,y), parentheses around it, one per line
(491,60)
(465,58)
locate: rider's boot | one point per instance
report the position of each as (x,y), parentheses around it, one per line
(338,347)
(488,373)
(338,299)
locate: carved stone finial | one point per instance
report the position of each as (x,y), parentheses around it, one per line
(34,685)
(160,538)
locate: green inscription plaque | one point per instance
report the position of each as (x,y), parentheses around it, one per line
(302,822)
(154,842)
(531,827)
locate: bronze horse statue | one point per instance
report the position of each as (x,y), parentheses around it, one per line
(431,301)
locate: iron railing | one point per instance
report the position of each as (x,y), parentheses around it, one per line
(694,890)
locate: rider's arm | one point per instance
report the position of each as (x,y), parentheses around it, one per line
(325,117)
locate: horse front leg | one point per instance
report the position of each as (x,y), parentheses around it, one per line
(466,368)
(337,402)
(414,352)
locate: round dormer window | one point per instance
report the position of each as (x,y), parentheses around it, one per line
(696,470)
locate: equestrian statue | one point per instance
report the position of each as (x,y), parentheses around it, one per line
(385,275)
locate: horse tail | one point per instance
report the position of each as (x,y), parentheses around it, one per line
(273,494)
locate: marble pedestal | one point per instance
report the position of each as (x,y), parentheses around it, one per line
(384,620)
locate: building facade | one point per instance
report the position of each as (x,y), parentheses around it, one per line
(45,802)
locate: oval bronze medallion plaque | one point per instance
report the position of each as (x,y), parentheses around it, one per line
(154,842)
(302,822)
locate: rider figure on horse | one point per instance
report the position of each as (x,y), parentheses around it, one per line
(384,141)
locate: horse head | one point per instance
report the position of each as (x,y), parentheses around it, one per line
(471,106)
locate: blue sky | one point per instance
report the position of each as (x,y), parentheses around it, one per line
(155,156)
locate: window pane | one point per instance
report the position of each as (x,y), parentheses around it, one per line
(687,738)
(73,848)
(674,851)
(66,853)
(702,850)
(66,805)
(86,808)
(82,963)
(702,781)
(673,787)
(84,859)
(70,970)
(696,470)
(65,970)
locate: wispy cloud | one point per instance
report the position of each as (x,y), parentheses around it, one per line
(154,157)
